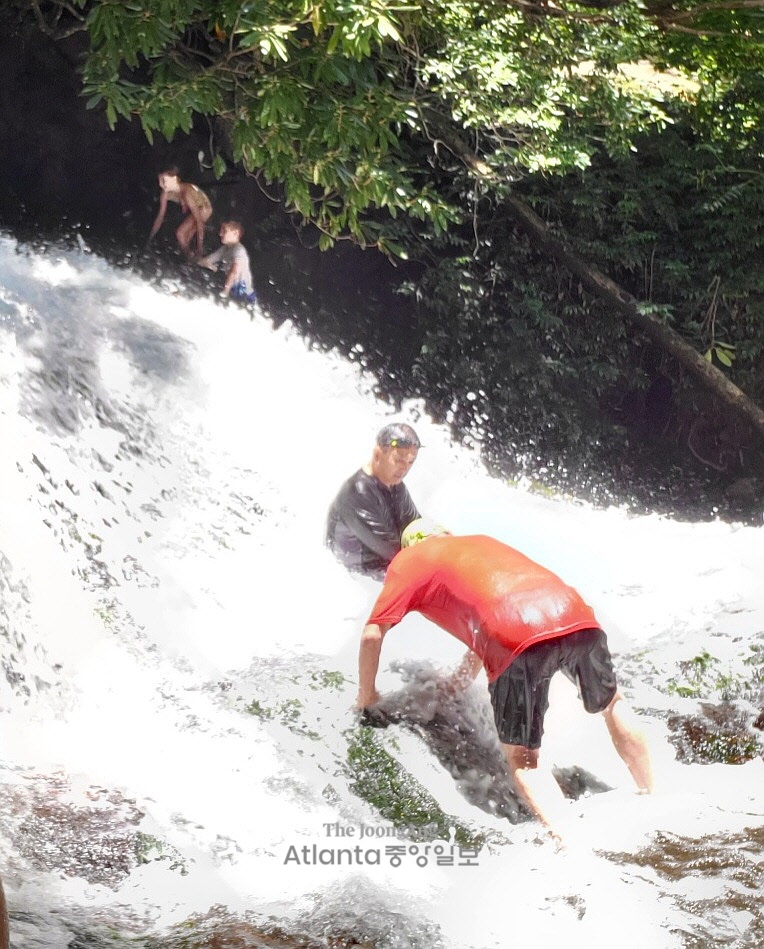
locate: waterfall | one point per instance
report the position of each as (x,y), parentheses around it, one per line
(180,757)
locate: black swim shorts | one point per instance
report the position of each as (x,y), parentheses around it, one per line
(520,695)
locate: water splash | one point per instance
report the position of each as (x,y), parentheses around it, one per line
(180,651)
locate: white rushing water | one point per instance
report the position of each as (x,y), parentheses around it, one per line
(179,654)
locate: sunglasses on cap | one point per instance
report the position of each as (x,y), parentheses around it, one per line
(397,435)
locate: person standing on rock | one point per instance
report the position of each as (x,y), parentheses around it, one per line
(522,624)
(193,202)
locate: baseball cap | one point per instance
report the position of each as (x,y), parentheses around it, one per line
(420,529)
(398,435)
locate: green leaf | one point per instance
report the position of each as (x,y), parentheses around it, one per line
(387,29)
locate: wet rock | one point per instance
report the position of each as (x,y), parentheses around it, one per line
(720,733)
(94,839)
(727,913)
(745,491)
(221,930)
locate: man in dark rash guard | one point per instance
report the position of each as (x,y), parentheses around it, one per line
(366,519)
(523,624)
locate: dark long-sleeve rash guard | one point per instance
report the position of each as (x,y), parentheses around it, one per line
(365,523)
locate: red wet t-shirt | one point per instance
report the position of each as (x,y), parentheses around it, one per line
(493,598)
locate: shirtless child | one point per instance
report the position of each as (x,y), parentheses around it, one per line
(193,201)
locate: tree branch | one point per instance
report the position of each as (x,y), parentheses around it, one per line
(543,9)
(606,289)
(732,5)
(660,11)
(54,32)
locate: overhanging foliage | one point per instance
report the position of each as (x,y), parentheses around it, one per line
(327,98)
(397,124)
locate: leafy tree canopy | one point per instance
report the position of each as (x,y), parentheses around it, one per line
(436,126)
(343,102)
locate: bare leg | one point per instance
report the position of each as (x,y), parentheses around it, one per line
(536,786)
(629,742)
(185,233)
(200,222)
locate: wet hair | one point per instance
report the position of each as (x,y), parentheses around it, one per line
(398,435)
(233,226)
(173,171)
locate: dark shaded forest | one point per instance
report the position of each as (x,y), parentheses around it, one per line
(562,320)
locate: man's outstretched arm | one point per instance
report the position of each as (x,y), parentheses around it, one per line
(368,664)
(465,673)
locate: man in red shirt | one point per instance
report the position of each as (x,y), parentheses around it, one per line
(522,624)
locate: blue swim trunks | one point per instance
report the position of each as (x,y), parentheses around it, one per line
(239,292)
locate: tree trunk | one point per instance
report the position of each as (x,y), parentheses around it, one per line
(603,287)
(606,289)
